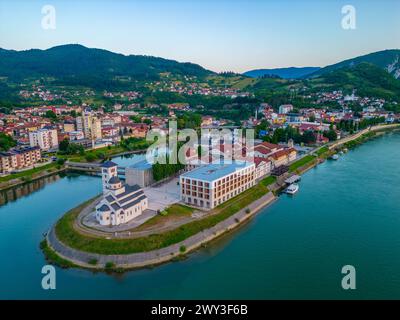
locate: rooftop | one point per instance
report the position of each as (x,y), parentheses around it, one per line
(108,164)
(213,171)
(141,165)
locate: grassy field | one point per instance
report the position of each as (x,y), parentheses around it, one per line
(300,163)
(66,233)
(321,151)
(29,174)
(172,213)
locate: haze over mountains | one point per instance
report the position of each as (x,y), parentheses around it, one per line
(285,73)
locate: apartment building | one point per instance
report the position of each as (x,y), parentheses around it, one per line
(19,158)
(211,185)
(89,125)
(45,139)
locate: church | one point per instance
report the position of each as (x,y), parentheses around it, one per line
(121,202)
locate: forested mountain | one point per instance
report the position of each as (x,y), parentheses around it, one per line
(388,60)
(78,62)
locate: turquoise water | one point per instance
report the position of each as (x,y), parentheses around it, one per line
(346,212)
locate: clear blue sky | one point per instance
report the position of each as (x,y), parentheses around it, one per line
(220,35)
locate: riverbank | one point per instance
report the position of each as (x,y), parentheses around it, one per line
(30,175)
(65,256)
(98,258)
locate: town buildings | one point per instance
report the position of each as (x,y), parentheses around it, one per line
(211,185)
(90,125)
(19,158)
(121,202)
(277,154)
(45,139)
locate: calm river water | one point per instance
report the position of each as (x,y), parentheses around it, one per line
(346,212)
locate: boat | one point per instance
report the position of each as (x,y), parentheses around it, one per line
(335,157)
(292,189)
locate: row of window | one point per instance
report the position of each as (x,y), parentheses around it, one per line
(226,197)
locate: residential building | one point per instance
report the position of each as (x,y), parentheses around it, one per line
(285,108)
(211,185)
(19,158)
(69,126)
(76,135)
(90,126)
(263,167)
(45,139)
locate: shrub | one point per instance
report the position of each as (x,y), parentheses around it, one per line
(60,161)
(93,261)
(182,249)
(90,157)
(248,211)
(109,265)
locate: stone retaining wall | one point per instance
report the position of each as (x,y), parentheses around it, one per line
(138,260)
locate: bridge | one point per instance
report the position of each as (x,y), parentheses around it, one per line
(89,167)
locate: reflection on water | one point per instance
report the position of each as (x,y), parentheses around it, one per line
(14,193)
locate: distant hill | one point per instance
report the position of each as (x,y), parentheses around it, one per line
(284,73)
(388,60)
(71,62)
(367,78)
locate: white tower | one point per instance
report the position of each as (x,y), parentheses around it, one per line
(108,170)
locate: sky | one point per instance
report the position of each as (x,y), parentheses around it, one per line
(220,35)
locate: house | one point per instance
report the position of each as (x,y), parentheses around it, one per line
(263,167)
(19,158)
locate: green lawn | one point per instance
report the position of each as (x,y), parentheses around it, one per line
(302,162)
(321,151)
(66,233)
(172,212)
(29,173)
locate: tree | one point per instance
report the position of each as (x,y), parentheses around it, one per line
(136,119)
(309,137)
(50,115)
(331,135)
(6,142)
(63,146)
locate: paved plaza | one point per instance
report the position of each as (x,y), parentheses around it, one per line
(163,196)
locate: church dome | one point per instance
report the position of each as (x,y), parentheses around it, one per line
(114,180)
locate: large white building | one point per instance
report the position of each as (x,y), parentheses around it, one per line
(211,185)
(121,202)
(45,139)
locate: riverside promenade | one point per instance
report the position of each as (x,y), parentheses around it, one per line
(143,259)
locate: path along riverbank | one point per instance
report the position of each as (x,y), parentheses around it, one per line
(138,260)
(154,257)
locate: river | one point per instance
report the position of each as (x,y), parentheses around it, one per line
(347,212)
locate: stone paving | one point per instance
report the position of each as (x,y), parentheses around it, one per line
(163,196)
